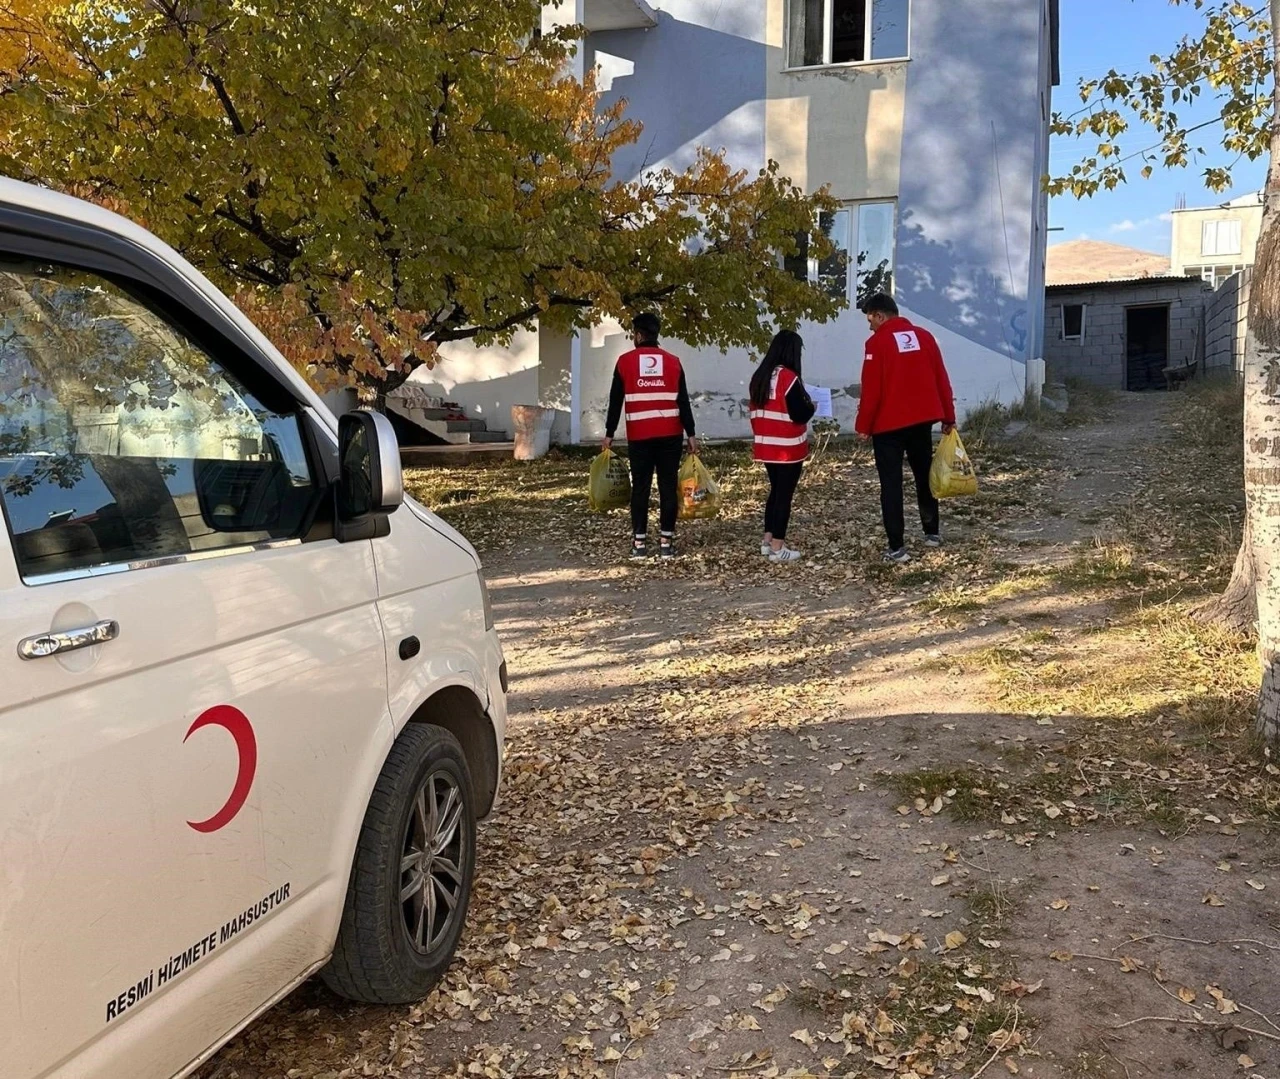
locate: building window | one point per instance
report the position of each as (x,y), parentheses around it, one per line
(863,237)
(1220,238)
(1073,322)
(1216,276)
(823,32)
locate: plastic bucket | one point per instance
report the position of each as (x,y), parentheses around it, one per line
(532,426)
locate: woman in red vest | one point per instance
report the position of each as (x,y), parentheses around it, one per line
(780,415)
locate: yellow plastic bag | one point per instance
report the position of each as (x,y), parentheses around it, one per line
(608,483)
(952,474)
(699,493)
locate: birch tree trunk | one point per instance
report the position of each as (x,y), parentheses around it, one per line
(1236,608)
(1262,425)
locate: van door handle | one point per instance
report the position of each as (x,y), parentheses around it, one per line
(52,644)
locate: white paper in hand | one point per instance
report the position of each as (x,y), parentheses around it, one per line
(821,396)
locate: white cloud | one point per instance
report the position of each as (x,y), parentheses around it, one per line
(1129,225)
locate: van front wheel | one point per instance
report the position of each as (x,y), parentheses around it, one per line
(411,881)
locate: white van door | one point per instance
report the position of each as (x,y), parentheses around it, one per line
(193,683)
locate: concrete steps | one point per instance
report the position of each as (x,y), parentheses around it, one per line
(425,421)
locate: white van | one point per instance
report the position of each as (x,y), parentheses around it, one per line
(251,702)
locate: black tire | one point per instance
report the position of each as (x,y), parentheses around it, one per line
(379,957)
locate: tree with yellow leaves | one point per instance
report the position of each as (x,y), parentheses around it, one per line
(373,180)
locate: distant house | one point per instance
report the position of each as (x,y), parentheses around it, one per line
(1117,317)
(928,121)
(1215,242)
(1123,334)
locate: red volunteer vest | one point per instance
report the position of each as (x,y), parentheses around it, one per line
(778,439)
(651,378)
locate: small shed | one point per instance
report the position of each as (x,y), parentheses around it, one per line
(1123,334)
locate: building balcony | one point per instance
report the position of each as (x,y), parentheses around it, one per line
(600,15)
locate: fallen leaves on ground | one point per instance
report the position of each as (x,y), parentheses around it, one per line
(635,912)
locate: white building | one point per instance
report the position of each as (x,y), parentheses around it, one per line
(1214,242)
(928,119)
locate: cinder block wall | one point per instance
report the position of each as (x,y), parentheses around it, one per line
(1226,320)
(1099,356)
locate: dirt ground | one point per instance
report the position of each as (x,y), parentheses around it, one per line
(994,813)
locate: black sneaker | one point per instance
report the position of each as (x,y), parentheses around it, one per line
(639,550)
(667,548)
(900,557)
(932,540)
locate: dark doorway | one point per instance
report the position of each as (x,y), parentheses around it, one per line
(1146,347)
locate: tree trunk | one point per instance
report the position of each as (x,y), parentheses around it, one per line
(1262,425)
(1236,609)
(146,506)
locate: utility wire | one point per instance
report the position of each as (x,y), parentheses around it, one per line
(1156,146)
(1201,68)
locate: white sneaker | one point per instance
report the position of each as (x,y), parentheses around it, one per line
(766,549)
(785,555)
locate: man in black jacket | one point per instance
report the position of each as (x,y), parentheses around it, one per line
(649,388)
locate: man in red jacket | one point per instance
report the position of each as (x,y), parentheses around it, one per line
(905,391)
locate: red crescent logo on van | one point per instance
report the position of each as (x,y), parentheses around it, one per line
(239,727)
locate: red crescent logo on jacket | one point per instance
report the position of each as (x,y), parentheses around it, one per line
(237,724)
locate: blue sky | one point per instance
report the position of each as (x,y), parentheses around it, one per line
(1098,35)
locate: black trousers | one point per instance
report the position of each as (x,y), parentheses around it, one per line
(783,480)
(916,444)
(649,456)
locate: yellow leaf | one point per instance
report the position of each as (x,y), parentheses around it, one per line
(955,940)
(1224,1004)
(1187,996)
(1060,904)
(881,937)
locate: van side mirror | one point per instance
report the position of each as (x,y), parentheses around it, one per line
(370,482)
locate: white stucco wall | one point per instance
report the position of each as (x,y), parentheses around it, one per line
(833,358)
(486,381)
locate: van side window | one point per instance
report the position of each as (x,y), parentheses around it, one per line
(122,440)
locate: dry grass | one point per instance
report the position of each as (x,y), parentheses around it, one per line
(1157,708)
